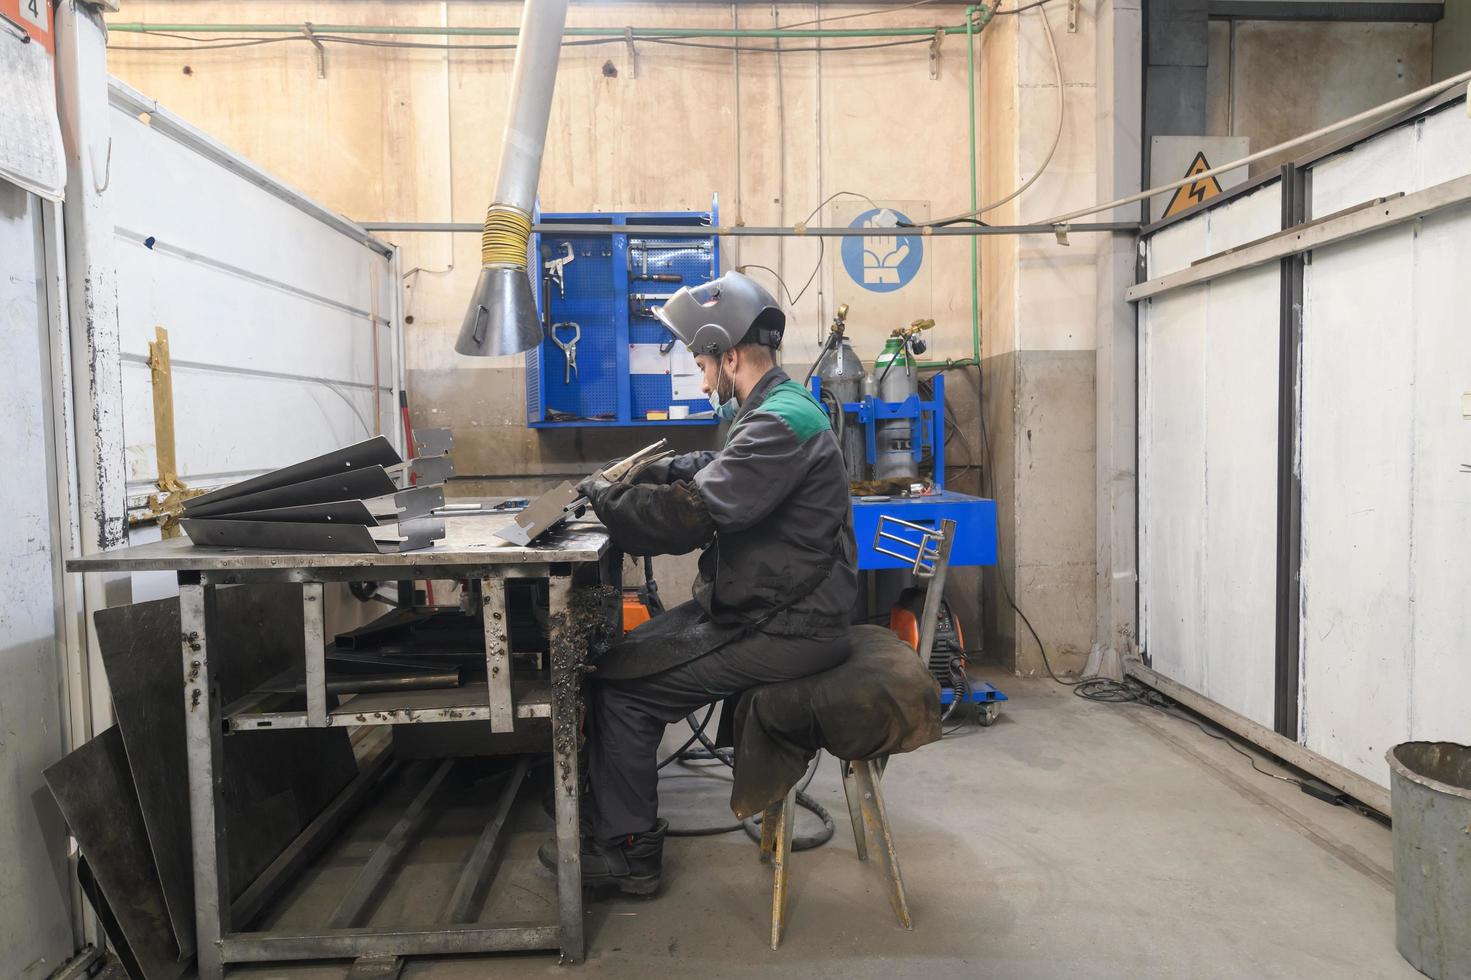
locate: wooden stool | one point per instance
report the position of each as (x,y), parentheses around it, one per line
(865,809)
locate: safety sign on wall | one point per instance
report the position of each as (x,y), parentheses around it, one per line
(31,154)
(887,274)
(887,259)
(1175,157)
(27,18)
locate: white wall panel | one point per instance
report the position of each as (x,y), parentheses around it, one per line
(227,426)
(1358,355)
(1208,463)
(1386,509)
(1440,531)
(1386,503)
(35,926)
(281,319)
(1171,467)
(1241,492)
(169,191)
(277,330)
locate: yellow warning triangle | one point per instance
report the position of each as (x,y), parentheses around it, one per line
(1196,191)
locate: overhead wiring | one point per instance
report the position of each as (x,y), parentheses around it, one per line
(1026,185)
(230,42)
(1022,9)
(863,13)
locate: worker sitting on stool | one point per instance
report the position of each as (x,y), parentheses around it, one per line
(777,579)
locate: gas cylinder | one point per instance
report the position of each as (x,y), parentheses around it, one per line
(897,378)
(841,372)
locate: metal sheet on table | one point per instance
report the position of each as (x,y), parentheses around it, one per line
(93,788)
(468,541)
(356,484)
(274,782)
(377,451)
(331,512)
(541,515)
(226,532)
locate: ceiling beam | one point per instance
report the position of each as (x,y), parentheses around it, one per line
(1403,11)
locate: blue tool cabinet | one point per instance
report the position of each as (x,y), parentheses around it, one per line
(604,294)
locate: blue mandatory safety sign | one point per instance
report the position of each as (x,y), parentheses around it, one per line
(884,261)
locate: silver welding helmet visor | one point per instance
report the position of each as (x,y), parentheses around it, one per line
(716,316)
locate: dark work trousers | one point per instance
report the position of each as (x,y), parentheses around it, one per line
(628,717)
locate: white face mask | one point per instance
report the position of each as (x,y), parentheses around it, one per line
(724,410)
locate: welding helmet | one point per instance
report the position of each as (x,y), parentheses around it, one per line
(714,317)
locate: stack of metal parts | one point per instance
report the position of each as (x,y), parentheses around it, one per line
(362,499)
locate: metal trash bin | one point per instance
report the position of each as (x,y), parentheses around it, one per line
(1430,791)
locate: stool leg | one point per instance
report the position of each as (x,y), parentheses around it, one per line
(855,809)
(878,817)
(783,857)
(770,817)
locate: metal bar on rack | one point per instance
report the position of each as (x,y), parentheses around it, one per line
(347,717)
(566,790)
(377,966)
(497,654)
(258,947)
(315,638)
(202,743)
(355,902)
(482,860)
(926,548)
(314,838)
(935,591)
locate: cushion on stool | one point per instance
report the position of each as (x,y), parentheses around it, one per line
(882,701)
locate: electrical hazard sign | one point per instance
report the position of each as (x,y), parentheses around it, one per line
(1195,192)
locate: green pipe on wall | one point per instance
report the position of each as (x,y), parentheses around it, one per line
(615,32)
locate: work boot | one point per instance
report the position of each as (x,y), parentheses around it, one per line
(630,864)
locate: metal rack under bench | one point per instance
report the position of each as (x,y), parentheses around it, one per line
(606,285)
(572,559)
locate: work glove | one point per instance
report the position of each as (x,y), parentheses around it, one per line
(594,488)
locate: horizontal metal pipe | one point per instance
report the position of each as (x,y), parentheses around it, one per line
(748,231)
(440,940)
(372,683)
(637,32)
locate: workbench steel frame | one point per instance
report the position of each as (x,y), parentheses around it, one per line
(574,553)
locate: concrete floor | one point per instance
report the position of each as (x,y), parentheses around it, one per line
(1071,839)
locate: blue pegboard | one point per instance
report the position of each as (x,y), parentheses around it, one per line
(601,286)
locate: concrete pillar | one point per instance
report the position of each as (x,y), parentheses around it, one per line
(1119,139)
(1040,299)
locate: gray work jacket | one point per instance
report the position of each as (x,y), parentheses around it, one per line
(771,511)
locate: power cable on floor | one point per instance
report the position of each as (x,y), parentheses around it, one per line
(1130,691)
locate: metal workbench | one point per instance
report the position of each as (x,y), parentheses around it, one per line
(572,559)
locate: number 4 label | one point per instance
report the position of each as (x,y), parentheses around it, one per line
(35,12)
